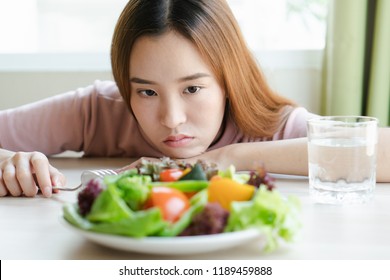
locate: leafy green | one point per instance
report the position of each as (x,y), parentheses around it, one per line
(109,207)
(268,211)
(124,193)
(232,174)
(140,224)
(134,190)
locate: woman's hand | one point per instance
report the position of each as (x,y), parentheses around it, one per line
(24,173)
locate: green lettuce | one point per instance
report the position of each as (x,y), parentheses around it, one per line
(232,174)
(139,224)
(268,211)
(134,190)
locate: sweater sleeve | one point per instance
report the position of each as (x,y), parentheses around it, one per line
(295,126)
(94,120)
(53,125)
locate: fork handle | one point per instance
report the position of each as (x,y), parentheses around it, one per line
(87,176)
(58,188)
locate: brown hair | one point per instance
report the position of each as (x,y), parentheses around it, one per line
(212,27)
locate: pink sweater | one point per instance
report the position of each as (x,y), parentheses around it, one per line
(95,120)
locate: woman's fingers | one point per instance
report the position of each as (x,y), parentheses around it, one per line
(3,189)
(40,166)
(57,178)
(25,177)
(9,179)
(24,173)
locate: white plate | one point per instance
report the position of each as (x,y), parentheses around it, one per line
(183,245)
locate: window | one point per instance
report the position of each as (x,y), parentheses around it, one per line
(46,36)
(282,24)
(39,26)
(47,26)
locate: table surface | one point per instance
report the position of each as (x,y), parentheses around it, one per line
(31,228)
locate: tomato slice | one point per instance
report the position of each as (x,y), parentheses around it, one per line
(172,203)
(170,175)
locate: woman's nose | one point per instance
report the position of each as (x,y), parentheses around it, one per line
(173,113)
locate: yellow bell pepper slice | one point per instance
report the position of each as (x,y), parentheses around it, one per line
(225,190)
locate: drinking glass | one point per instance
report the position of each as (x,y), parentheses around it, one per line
(342,158)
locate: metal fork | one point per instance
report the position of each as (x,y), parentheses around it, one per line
(86,176)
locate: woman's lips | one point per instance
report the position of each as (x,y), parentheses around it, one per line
(177,141)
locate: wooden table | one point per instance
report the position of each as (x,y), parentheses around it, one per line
(31,228)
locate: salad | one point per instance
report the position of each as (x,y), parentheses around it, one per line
(172,198)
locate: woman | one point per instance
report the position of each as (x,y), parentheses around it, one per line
(193,91)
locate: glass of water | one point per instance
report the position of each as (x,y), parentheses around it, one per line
(342,158)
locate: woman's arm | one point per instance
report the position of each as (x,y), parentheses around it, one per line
(48,126)
(287,156)
(280,156)
(63,122)
(383,156)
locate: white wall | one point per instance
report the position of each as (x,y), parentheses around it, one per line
(301,85)
(296,75)
(18,88)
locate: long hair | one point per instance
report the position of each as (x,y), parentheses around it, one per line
(212,28)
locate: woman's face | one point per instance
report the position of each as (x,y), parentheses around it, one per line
(175,97)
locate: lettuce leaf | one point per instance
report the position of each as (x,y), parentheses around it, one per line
(134,190)
(109,207)
(140,224)
(232,174)
(276,217)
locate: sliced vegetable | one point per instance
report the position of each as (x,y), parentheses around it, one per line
(170,175)
(196,173)
(172,203)
(224,191)
(189,186)
(198,202)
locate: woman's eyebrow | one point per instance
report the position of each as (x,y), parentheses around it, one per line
(183,79)
(194,77)
(142,81)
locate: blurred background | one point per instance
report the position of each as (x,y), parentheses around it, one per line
(52,46)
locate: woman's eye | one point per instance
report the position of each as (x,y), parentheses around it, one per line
(192,89)
(147,92)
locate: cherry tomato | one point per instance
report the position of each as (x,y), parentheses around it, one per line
(170,175)
(172,203)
